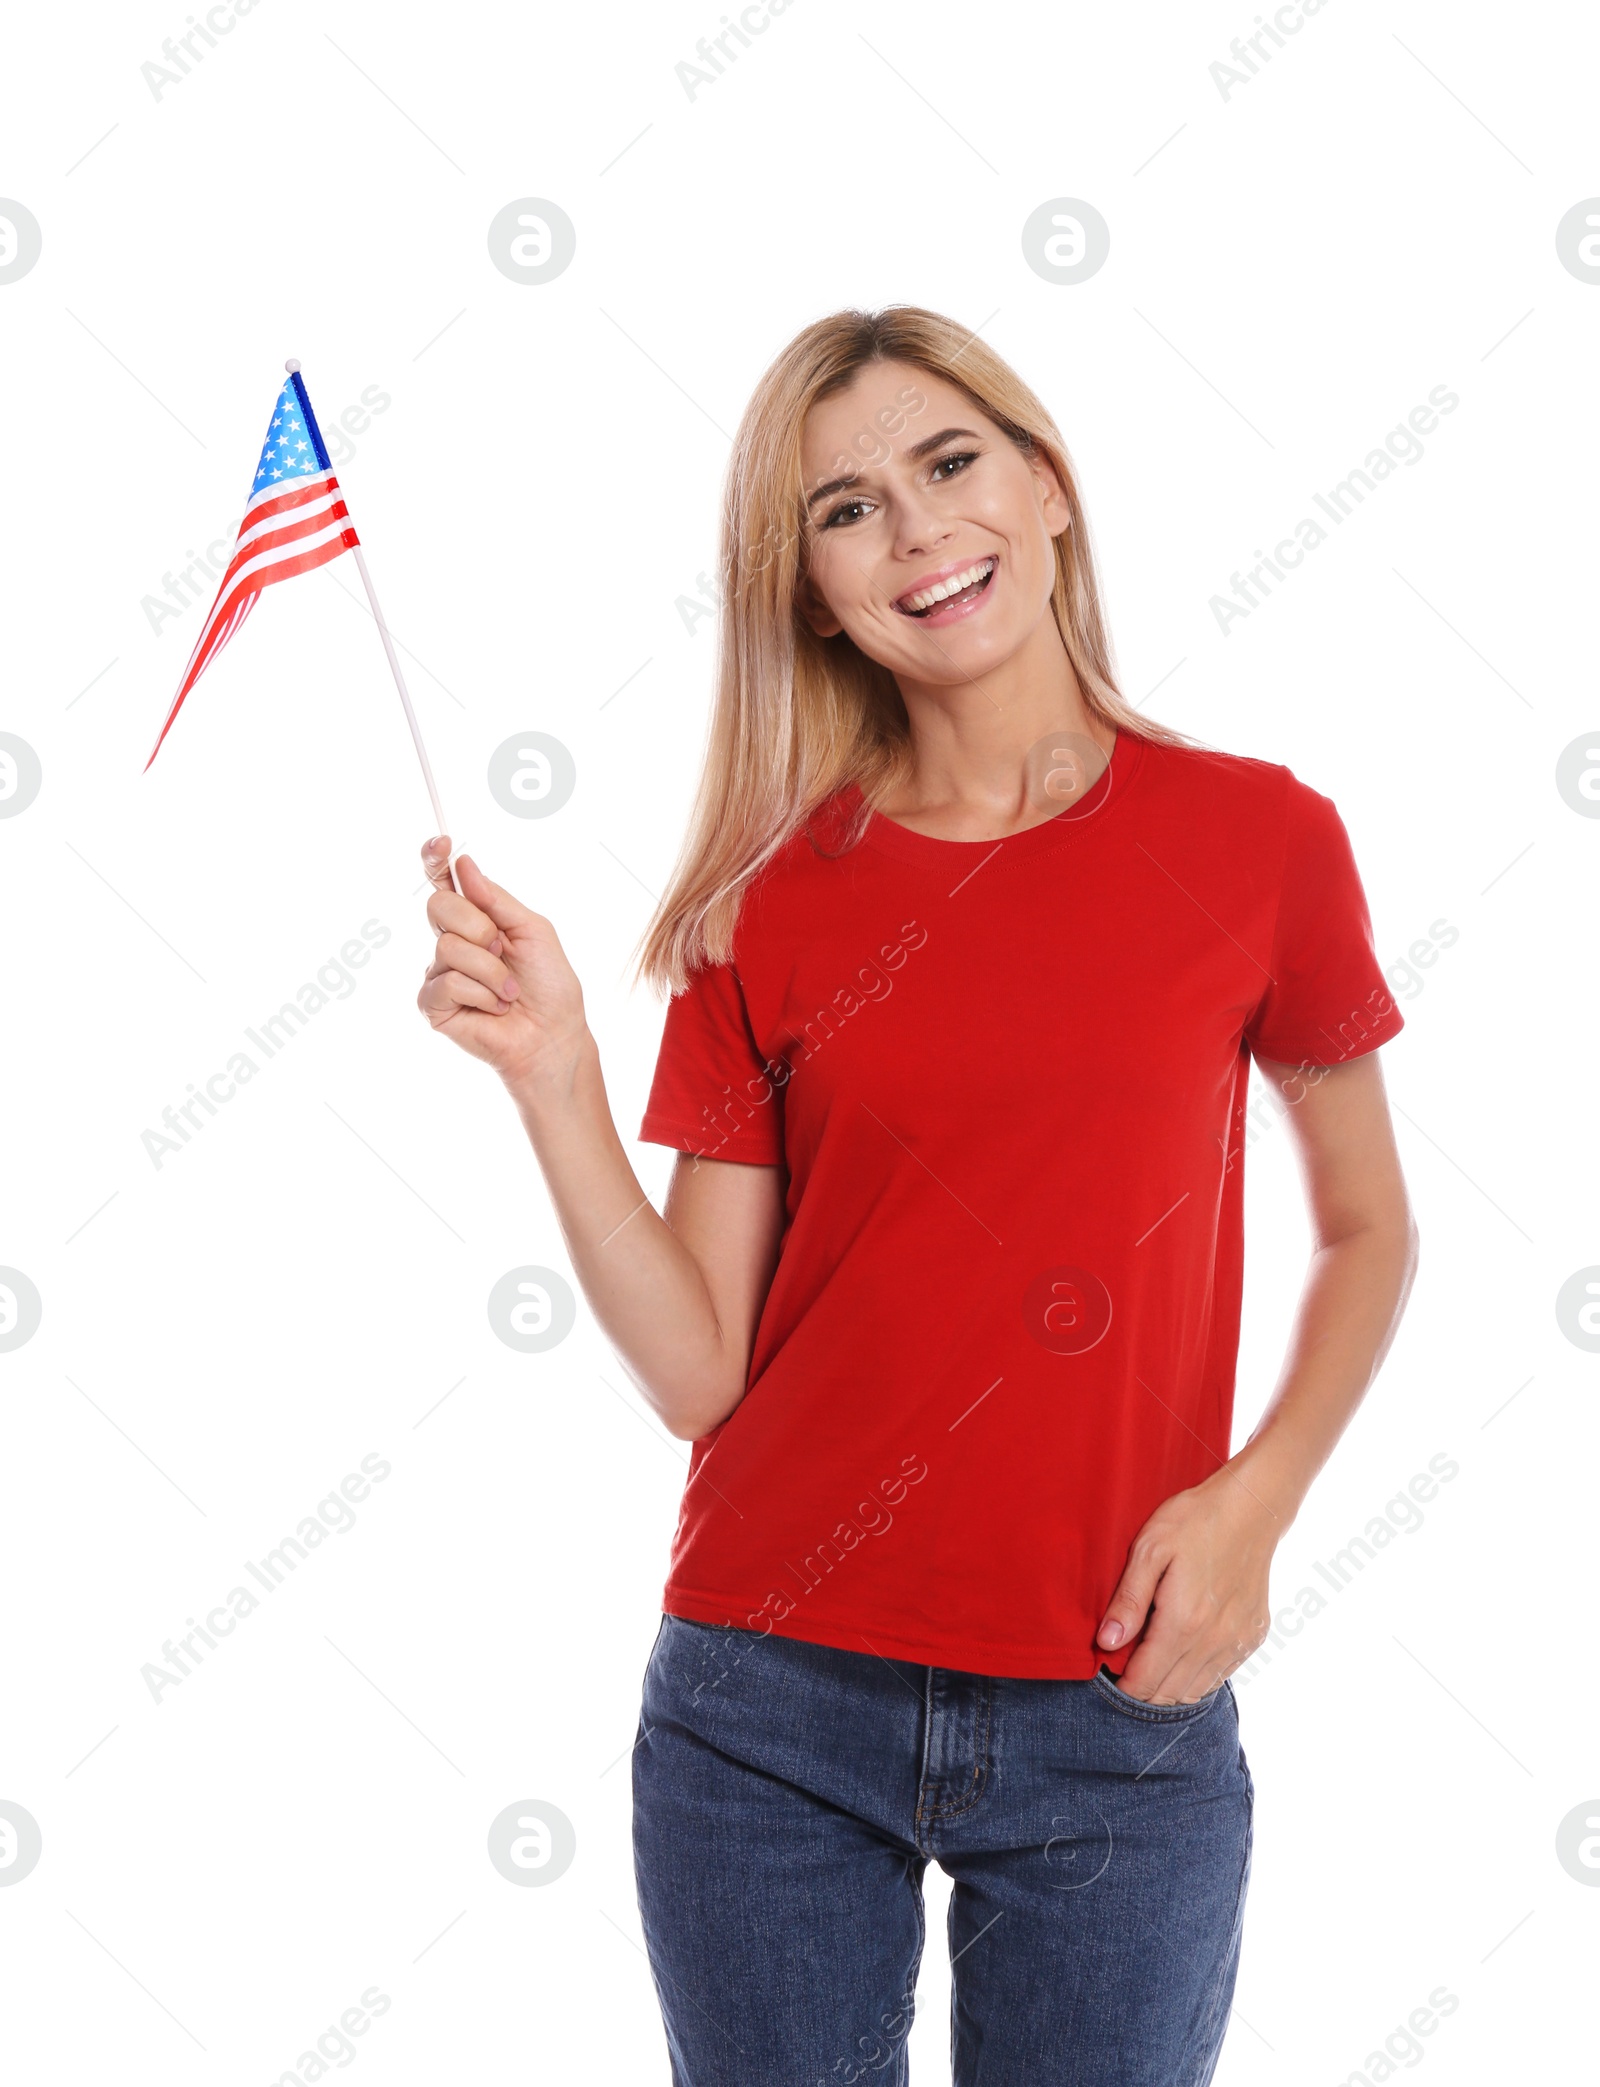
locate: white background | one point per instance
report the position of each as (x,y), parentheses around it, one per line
(1292,269)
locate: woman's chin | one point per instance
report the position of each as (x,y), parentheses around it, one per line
(962,652)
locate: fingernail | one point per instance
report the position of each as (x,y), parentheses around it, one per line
(508,989)
(1112,1634)
(433,847)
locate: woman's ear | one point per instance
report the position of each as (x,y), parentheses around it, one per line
(814,609)
(1054,506)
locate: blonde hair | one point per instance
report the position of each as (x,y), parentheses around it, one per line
(796,716)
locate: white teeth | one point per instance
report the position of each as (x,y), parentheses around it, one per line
(953,585)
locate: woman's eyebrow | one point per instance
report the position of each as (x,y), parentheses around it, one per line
(915,453)
(826,492)
(929,443)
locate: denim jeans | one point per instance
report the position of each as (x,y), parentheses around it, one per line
(788,1798)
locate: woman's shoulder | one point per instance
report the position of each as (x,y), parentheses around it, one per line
(1193,762)
(1228,783)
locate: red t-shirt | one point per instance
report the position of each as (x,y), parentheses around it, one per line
(1007,1080)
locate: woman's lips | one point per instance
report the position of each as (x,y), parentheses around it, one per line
(953,607)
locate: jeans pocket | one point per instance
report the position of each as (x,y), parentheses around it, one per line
(1106,1687)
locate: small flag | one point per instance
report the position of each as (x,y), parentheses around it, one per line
(296,521)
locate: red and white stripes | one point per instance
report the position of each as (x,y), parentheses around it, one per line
(282,534)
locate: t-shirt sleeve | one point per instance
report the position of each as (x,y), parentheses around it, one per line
(1326,999)
(713,1092)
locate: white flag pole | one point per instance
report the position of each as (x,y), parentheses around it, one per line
(400,683)
(411,715)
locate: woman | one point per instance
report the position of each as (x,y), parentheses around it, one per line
(974,960)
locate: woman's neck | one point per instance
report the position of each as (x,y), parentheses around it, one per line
(976,746)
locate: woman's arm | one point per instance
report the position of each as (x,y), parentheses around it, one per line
(1198,1569)
(678,1296)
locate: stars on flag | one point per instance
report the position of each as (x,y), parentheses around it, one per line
(287,452)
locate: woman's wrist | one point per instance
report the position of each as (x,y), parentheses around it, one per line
(1274,1477)
(548,1084)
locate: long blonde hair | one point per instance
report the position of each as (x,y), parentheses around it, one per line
(796,717)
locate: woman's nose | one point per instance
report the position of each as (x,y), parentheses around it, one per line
(920,528)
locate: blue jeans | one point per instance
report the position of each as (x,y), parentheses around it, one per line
(788,1798)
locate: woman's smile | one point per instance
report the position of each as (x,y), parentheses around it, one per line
(951,593)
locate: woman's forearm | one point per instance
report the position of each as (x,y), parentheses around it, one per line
(643,1285)
(1354,1294)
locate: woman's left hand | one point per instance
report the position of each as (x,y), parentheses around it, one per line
(1197,1574)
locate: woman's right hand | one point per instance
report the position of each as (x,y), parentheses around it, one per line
(499,983)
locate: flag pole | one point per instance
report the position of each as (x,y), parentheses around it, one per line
(400,683)
(411,715)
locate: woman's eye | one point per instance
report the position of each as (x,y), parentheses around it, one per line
(961,457)
(845,508)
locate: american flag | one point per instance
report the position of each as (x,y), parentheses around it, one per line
(296,520)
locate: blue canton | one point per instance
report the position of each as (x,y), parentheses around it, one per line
(288,452)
